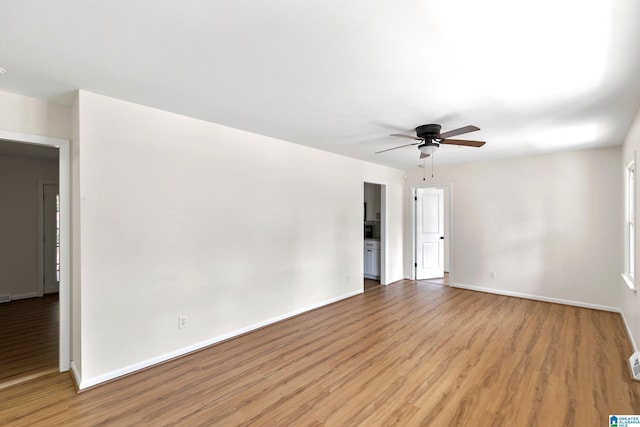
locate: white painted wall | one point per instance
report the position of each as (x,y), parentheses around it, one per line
(34,116)
(630,301)
(232,229)
(549,226)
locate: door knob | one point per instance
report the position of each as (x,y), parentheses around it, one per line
(441,237)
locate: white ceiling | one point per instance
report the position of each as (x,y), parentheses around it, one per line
(536,76)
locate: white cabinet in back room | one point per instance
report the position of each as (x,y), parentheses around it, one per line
(371,259)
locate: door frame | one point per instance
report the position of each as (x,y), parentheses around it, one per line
(449,229)
(383,229)
(64,188)
(41,248)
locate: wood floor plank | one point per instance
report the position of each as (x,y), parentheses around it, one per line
(28,338)
(412,353)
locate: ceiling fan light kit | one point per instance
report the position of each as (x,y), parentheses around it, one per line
(428,148)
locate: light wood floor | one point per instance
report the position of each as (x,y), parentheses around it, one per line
(28,338)
(443,281)
(409,354)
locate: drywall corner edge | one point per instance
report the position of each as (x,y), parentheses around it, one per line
(628,330)
(75,374)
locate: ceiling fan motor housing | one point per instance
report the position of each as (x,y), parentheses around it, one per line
(428,132)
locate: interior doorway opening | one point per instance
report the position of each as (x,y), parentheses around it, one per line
(432,233)
(62,313)
(29,321)
(374,234)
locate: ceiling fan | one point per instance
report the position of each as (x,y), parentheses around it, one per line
(429,139)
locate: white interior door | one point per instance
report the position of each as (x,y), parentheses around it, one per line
(50,256)
(429,233)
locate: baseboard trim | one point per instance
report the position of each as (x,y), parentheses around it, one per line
(24,296)
(556,301)
(537,297)
(84,384)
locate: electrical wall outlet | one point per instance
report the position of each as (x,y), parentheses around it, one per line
(634,363)
(492,275)
(182,322)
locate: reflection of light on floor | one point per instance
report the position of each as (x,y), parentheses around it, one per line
(438,281)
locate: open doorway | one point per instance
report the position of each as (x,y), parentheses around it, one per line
(374,234)
(41,305)
(432,232)
(29,319)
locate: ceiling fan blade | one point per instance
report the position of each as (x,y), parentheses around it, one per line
(464,142)
(424,155)
(395,148)
(401,135)
(459,131)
